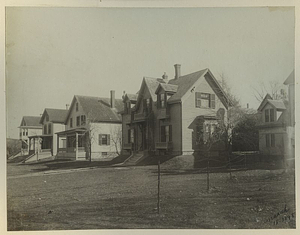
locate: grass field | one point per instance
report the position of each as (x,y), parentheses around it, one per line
(126,197)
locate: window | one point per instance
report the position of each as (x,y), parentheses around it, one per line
(147,105)
(26,132)
(272,115)
(205,100)
(45,129)
(162,103)
(78,121)
(272,140)
(269,115)
(104,153)
(49,128)
(104,139)
(127,107)
(76,107)
(166,133)
(83,119)
(21,134)
(47,118)
(71,122)
(267,140)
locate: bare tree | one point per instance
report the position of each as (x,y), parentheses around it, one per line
(274,88)
(116,137)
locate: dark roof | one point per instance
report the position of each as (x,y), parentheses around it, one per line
(55,115)
(31,121)
(132,97)
(185,83)
(152,84)
(167,87)
(99,110)
(278,104)
(290,79)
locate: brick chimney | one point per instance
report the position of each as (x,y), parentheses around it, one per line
(177,71)
(112,99)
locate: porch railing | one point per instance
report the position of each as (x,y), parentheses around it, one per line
(139,116)
(163,145)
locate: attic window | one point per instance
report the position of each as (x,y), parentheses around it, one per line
(76,106)
(47,118)
(205,100)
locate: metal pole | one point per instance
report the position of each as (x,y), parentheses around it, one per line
(158,186)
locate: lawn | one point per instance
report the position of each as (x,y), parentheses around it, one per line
(126,197)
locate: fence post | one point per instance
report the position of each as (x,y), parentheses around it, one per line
(229,166)
(207,170)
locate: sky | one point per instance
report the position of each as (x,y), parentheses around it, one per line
(53,54)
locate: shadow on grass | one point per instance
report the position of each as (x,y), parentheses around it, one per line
(68,164)
(234,168)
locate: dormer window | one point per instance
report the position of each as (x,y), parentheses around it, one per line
(269,115)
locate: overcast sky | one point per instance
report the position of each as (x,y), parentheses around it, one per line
(55,53)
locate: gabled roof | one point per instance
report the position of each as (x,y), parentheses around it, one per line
(167,88)
(33,121)
(277,104)
(55,115)
(98,109)
(152,84)
(290,79)
(184,84)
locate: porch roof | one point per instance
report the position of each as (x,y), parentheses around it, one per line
(77,130)
(39,136)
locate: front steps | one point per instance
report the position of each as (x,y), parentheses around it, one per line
(134,159)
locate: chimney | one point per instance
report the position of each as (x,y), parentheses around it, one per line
(177,71)
(165,77)
(112,99)
(67,106)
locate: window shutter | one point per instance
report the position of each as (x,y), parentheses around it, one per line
(108,139)
(196,104)
(100,139)
(128,136)
(212,101)
(170,133)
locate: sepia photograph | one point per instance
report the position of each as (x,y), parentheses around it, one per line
(150,118)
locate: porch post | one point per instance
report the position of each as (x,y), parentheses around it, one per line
(34,145)
(28,145)
(57,144)
(76,153)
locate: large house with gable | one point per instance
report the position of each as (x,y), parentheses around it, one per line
(172,116)
(45,144)
(92,129)
(30,125)
(277,126)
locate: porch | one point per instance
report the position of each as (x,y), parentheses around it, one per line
(74,146)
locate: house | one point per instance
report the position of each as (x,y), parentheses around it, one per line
(52,121)
(277,126)
(92,129)
(30,125)
(172,116)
